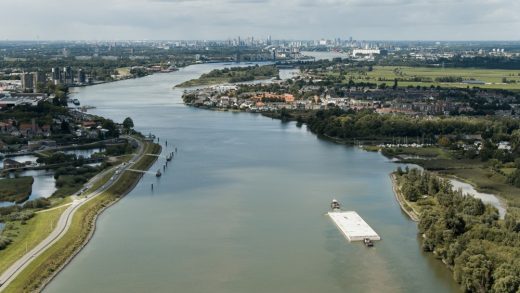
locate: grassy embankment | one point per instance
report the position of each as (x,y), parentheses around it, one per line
(428,76)
(16,189)
(44,267)
(231,75)
(28,235)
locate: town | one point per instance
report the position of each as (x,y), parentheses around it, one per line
(300,94)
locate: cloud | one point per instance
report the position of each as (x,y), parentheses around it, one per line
(289,19)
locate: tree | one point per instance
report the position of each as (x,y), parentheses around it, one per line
(474,271)
(508,284)
(128,123)
(444,141)
(487,151)
(111,127)
(65,127)
(285,115)
(507,277)
(399,171)
(410,191)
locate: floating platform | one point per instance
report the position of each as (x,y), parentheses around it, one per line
(353,226)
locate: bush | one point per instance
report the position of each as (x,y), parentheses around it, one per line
(4,242)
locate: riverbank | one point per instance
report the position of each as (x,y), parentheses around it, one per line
(403,203)
(81,228)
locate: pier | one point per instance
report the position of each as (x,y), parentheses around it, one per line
(141,171)
(353,226)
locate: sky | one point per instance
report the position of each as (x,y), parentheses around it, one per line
(282,19)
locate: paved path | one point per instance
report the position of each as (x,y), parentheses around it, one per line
(64,222)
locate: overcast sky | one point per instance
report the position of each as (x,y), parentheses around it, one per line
(283,19)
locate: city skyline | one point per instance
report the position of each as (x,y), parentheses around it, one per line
(293,19)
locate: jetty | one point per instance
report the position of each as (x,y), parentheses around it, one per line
(353,226)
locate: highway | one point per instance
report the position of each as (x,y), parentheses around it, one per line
(66,219)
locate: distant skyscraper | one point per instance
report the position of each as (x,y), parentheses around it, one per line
(56,75)
(38,78)
(82,78)
(68,78)
(27,81)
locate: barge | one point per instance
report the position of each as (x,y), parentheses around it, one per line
(353,227)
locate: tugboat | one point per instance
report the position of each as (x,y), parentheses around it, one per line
(158,174)
(368,242)
(335,205)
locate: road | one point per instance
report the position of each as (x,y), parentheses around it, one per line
(65,220)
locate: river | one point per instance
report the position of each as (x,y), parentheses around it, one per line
(241,208)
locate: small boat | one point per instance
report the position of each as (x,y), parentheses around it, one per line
(158,174)
(76,102)
(368,242)
(335,205)
(169,158)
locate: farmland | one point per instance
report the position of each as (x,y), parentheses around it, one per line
(436,76)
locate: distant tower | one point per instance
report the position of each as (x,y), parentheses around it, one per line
(56,75)
(82,78)
(38,78)
(68,78)
(27,81)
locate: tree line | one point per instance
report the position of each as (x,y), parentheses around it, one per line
(339,123)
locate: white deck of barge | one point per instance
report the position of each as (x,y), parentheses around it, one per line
(353,226)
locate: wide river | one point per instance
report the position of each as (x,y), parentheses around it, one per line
(241,208)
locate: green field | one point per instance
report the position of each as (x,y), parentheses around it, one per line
(27,236)
(427,76)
